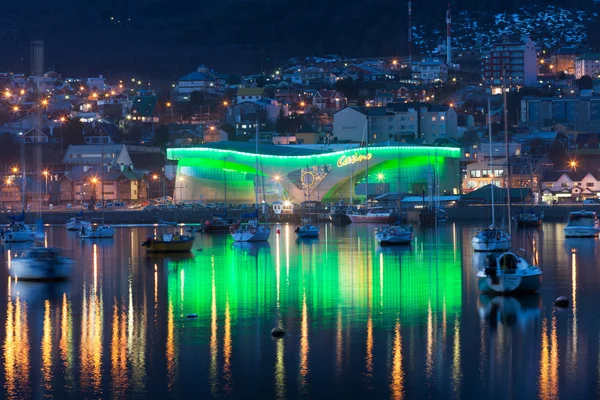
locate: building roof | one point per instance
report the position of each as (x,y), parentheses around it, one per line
(197,76)
(110,130)
(570,50)
(484,194)
(575,176)
(328,94)
(270,149)
(93,149)
(250,91)
(589,56)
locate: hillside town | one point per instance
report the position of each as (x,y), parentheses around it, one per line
(545,100)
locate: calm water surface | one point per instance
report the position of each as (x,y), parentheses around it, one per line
(361,321)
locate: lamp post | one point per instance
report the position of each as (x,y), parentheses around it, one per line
(380,178)
(277,179)
(46,173)
(155,179)
(170,105)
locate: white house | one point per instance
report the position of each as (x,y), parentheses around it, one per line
(251,95)
(430,70)
(560,186)
(202,80)
(109,154)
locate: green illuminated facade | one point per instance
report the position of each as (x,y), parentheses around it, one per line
(232,172)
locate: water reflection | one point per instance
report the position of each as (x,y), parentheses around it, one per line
(361,321)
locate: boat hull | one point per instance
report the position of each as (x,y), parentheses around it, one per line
(491,245)
(581,232)
(168,247)
(16,237)
(340,219)
(101,233)
(373,219)
(247,236)
(36,270)
(308,234)
(386,239)
(509,283)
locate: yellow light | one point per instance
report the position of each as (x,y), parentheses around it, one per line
(541,61)
(168,104)
(112,92)
(380,176)
(94,95)
(395,62)
(15,108)
(276,178)
(15,170)
(45,102)
(81,88)
(7,92)
(155,177)
(94,180)
(62,119)
(8,181)
(45,172)
(212,128)
(129,117)
(120,86)
(302,104)
(287,203)
(22,92)
(451,105)
(225,103)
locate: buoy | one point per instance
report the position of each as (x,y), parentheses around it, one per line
(278,231)
(277,332)
(561,302)
(191,316)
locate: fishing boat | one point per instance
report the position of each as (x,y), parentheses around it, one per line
(76,223)
(101,231)
(41,263)
(508,273)
(491,239)
(339,215)
(307,231)
(395,234)
(528,218)
(17,232)
(168,243)
(376,215)
(250,232)
(582,224)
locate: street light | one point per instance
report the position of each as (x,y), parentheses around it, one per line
(46,173)
(181,189)
(225,103)
(15,170)
(573,165)
(168,104)
(380,177)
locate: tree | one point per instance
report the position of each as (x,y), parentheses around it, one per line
(230,129)
(281,121)
(72,132)
(162,136)
(585,83)
(9,150)
(260,81)
(470,137)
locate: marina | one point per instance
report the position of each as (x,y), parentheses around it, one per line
(360,320)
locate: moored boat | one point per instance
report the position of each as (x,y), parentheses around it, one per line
(218,224)
(395,234)
(307,231)
(372,215)
(168,243)
(528,219)
(17,232)
(97,232)
(508,273)
(75,224)
(582,224)
(250,232)
(491,239)
(41,263)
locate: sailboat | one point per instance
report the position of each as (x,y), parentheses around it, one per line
(492,238)
(101,230)
(252,231)
(529,218)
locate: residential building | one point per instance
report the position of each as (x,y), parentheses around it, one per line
(569,186)
(110,154)
(329,100)
(251,95)
(395,122)
(429,70)
(203,80)
(186,137)
(588,64)
(307,135)
(34,135)
(563,59)
(577,114)
(523,170)
(514,62)
(312,76)
(144,109)
(102,132)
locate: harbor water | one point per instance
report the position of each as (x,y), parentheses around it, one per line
(360,321)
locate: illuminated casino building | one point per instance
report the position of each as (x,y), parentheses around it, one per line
(231,172)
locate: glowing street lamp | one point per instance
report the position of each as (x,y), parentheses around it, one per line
(380,177)
(573,165)
(46,173)
(225,103)
(45,102)
(15,170)
(168,104)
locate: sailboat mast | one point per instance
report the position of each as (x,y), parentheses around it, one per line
(256,175)
(367,159)
(507,154)
(102,176)
(491,163)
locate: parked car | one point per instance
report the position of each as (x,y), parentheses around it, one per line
(118,204)
(589,202)
(150,208)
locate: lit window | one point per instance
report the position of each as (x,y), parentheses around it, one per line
(433,118)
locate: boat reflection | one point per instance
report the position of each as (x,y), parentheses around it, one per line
(509,311)
(252,248)
(35,293)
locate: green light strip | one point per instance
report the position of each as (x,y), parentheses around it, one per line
(193,152)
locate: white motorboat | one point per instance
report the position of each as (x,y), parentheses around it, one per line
(582,224)
(75,224)
(508,273)
(41,263)
(250,232)
(97,232)
(395,234)
(307,231)
(17,232)
(491,239)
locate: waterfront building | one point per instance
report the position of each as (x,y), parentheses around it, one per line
(568,186)
(227,171)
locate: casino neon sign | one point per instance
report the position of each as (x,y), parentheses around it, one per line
(353,159)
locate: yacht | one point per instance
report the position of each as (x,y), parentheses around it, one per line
(41,263)
(508,273)
(582,224)
(395,234)
(491,239)
(528,218)
(250,232)
(17,232)
(97,232)
(168,243)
